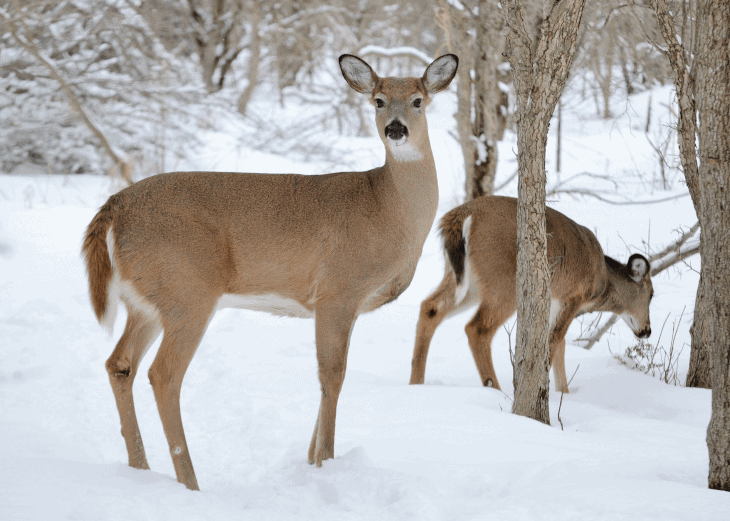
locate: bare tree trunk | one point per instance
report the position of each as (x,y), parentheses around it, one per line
(252,72)
(559,140)
(481,105)
(713,104)
(539,80)
(489,102)
(217,25)
(699,374)
(462,42)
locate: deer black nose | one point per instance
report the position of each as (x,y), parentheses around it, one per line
(646,333)
(396,130)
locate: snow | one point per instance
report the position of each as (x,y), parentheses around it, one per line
(630,446)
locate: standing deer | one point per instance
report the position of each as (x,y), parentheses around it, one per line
(175,247)
(480,242)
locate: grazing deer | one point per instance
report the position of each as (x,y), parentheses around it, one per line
(480,242)
(176,247)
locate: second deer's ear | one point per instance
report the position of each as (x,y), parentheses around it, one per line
(358,74)
(439,74)
(638,267)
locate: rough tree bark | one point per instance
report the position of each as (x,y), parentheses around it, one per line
(713,105)
(456,25)
(490,103)
(699,373)
(539,78)
(481,105)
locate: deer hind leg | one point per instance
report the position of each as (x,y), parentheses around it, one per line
(557,345)
(433,311)
(480,331)
(141,330)
(179,343)
(333,326)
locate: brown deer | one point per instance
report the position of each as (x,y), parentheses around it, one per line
(177,246)
(480,243)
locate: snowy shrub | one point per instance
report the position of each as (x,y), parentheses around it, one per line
(82,81)
(655,359)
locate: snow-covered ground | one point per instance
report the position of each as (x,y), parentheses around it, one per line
(630,446)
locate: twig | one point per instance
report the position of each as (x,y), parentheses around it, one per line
(561,397)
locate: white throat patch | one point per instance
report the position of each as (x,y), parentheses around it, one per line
(404,151)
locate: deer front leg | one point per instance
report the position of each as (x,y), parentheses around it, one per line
(333,326)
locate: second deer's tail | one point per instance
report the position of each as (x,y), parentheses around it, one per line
(455,227)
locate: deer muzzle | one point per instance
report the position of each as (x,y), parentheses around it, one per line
(397,132)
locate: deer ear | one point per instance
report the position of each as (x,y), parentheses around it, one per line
(439,74)
(638,267)
(358,74)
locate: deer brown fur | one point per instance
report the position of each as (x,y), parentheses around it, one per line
(480,243)
(175,247)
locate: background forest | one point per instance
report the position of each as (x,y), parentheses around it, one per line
(90,85)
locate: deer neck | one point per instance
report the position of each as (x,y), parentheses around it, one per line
(412,175)
(608,300)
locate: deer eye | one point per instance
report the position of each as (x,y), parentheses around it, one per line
(379,103)
(417,103)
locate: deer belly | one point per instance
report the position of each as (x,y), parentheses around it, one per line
(269,302)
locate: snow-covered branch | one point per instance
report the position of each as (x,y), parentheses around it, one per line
(395,52)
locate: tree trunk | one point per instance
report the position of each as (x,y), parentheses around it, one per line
(481,105)
(462,43)
(252,72)
(490,107)
(699,374)
(539,79)
(713,104)
(532,354)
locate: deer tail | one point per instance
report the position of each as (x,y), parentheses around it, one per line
(455,227)
(97,250)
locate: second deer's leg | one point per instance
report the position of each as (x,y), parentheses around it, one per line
(179,344)
(139,333)
(557,345)
(333,326)
(433,311)
(480,331)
